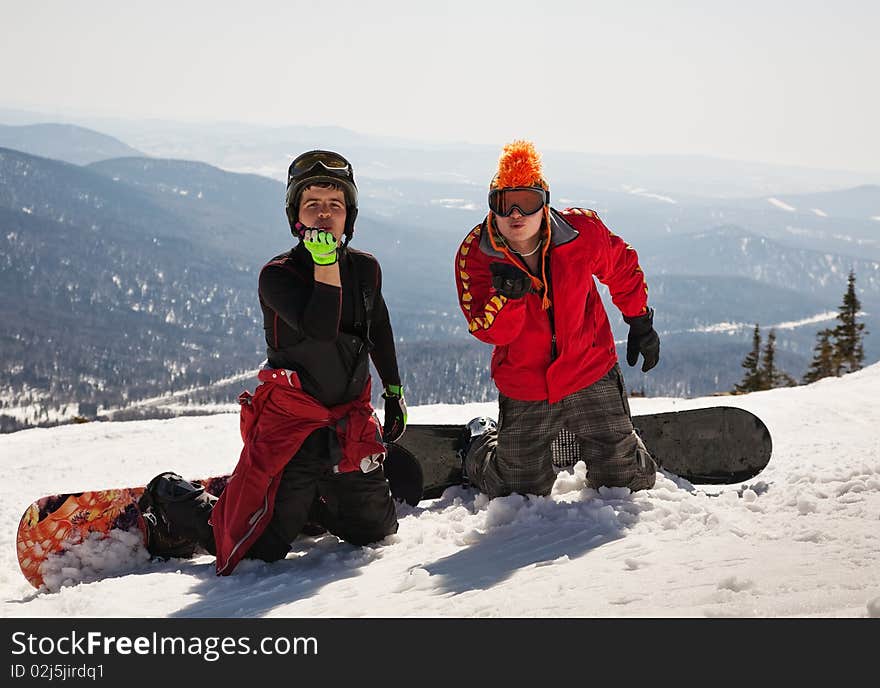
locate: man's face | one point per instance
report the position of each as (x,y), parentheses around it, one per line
(324,209)
(520,231)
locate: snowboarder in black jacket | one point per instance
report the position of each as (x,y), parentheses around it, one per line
(324,318)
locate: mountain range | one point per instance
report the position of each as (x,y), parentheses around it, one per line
(66,142)
(130,277)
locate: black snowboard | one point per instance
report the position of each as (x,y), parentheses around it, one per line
(716,445)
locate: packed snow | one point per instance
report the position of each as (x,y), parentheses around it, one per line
(800,539)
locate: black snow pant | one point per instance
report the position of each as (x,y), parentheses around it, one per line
(518,457)
(356,507)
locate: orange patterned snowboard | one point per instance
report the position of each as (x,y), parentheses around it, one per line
(57,524)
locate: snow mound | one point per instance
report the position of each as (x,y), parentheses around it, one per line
(800,540)
(96,557)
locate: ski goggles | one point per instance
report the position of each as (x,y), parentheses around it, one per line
(527,199)
(319,161)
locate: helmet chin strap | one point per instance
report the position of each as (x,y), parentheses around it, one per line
(350,217)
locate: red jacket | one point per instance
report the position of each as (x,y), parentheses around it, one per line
(275,421)
(522,331)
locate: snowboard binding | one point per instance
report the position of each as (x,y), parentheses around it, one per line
(176,513)
(473,430)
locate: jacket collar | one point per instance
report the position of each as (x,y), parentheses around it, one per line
(560,233)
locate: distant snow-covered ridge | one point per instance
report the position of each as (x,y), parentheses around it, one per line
(732,327)
(455,203)
(789,325)
(644,193)
(782,205)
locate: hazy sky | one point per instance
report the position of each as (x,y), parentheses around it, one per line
(788,82)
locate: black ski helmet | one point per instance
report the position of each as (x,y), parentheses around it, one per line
(321,167)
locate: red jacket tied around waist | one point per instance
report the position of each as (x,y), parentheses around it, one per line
(275,421)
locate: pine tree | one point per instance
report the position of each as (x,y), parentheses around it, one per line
(768,362)
(770,375)
(751,381)
(849,352)
(823,364)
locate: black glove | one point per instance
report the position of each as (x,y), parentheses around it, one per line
(643,339)
(508,280)
(395,413)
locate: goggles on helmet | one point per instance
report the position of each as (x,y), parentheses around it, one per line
(527,199)
(319,162)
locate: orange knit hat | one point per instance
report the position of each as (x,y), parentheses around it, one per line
(520,166)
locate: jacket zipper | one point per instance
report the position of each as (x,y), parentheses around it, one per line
(553,351)
(254,519)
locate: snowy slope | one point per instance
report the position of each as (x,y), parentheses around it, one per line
(803,539)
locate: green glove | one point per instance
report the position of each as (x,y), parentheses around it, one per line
(322,245)
(395,413)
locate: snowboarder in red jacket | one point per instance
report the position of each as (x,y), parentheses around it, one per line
(525,285)
(313,449)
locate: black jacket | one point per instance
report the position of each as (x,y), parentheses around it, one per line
(325,333)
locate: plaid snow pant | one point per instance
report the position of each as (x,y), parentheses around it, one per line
(518,457)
